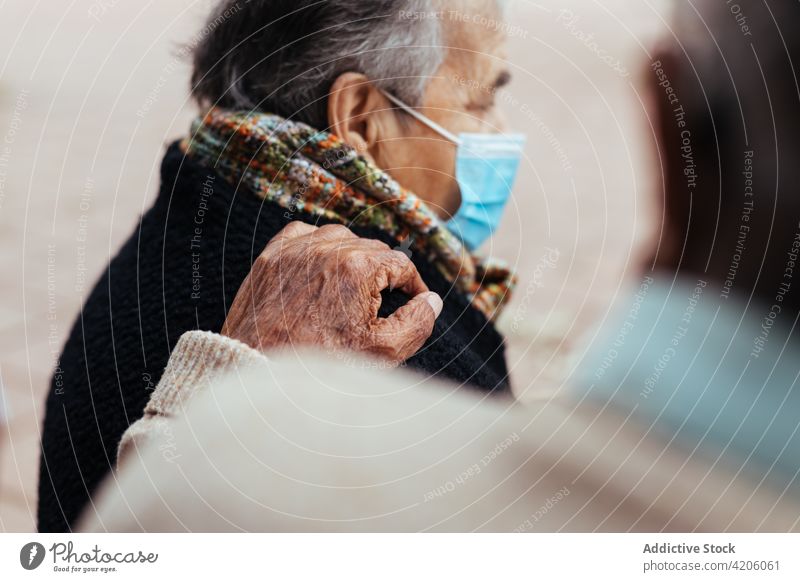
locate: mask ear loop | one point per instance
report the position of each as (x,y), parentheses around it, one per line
(419,117)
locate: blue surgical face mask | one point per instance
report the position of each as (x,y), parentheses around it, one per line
(486,166)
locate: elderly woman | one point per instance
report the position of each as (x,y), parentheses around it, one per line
(346,113)
(692,425)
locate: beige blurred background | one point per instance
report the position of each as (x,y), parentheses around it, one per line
(91,92)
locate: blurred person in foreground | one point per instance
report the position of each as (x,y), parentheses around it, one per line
(685,418)
(375,116)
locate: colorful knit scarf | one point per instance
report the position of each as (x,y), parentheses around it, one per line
(302,169)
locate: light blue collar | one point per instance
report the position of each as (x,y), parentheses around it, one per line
(715,373)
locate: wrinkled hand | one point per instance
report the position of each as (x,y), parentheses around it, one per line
(322,286)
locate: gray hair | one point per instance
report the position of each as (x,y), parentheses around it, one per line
(283,56)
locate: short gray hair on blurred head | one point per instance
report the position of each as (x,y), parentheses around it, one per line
(282,56)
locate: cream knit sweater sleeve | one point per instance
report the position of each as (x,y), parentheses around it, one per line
(198,360)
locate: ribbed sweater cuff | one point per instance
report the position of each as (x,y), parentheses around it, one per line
(198,360)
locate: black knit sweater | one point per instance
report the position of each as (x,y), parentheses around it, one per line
(180,271)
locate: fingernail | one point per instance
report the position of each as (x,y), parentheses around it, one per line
(434,301)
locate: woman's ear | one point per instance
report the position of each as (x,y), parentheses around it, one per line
(356,112)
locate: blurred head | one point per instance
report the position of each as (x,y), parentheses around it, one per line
(725,100)
(326,63)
